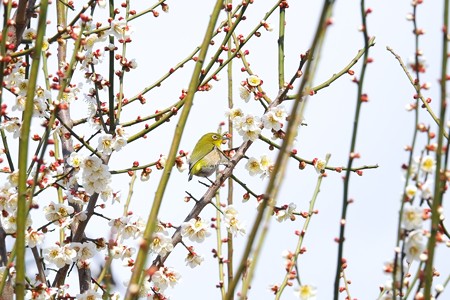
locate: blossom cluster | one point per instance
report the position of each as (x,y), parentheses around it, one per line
(95,175)
(232,222)
(80,176)
(16,82)
(413,217)
(8,204)
(262,166)
(250,126)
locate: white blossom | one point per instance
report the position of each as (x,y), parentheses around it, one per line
(253,166)
(411,191)
(95,176)
(234,225)
(161,244)
(60,256)
(85,250)
(273,119)
(90,41)
(306,292)
(196,230)
(250,135)
(232,222)
(41,292)
(12,126)
(33,238)
(427,189)
(319,165)
(254,81)
(9,222)
(428,164)
(89,295)
(266,165)
(286,213)
(165,277)
(120,29)
(246,123)
(244,93)
(412,217)
(193,260)
(106,194)
(57,212)
(75,160)
(118,143)
(105,143)
(235,113)
(29,34)
(414,245)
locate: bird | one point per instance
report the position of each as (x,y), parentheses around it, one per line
(206,156)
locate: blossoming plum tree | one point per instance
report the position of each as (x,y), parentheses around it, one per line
(73,110)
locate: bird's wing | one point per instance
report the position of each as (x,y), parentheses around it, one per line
(199,155)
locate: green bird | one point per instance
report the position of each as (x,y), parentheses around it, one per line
(206,156)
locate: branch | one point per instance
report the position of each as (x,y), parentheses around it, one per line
(417,88)
(22,16)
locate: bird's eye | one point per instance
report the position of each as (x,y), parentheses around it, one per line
(214,137)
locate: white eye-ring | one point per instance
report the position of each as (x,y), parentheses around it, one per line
(214,137)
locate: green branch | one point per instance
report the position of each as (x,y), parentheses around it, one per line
(440,178)
(136,278)
(23,193)
(280,165)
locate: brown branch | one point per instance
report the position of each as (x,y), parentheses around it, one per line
(21,19)
(3,254)
(206,199)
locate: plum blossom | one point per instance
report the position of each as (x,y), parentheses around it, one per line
(192,259)
(244,93)
(105,143)
(232,222)
(161,244)
(12,126)
(196,230)
(84,250)
(246,123)
(306,292)
(120,29)
(9,222)
(33,238)
(120,139)
(251,134)
(274,118)
(266,165)
(165,277)
(75,160)
(414,245)
(60,256)
(41,292)
(253,166)
(286,213)
(95,175)
(234,113)
(319,165)
(412,217)
(411,191)
(58,212)
(89,295)
(262,166)
(427,189)
(428,164)
(254,81)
